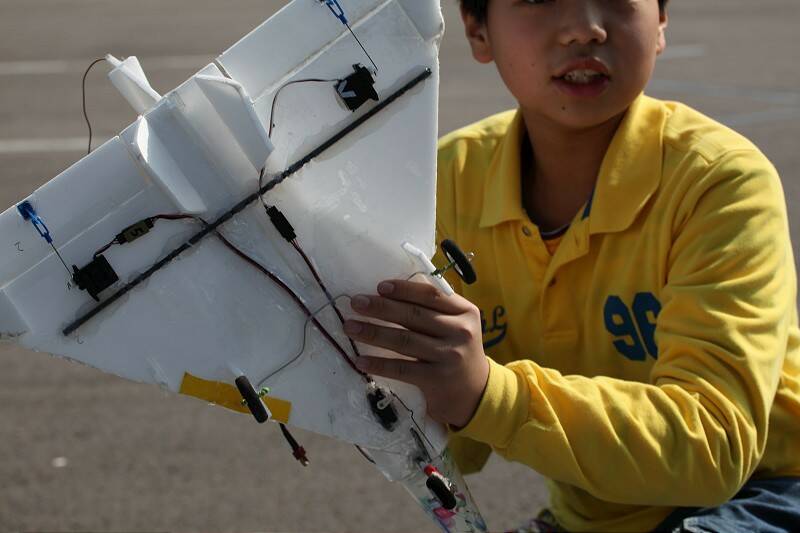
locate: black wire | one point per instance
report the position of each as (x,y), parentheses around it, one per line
(362,46)
(83,92)
(413,420)
(282,87)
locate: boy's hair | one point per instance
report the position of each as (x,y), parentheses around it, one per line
(477,8)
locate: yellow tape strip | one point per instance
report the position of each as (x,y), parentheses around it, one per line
(226,395)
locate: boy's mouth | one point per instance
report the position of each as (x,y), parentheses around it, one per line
(583,83)
(583,76)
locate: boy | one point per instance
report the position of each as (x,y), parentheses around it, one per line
(636,287)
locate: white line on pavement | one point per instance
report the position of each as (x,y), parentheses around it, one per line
(37,146)
(66,66)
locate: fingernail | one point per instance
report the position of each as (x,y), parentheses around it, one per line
(359,302)
(352,327)
(386,287)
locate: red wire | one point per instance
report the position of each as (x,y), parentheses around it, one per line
(299,302)
(325,290)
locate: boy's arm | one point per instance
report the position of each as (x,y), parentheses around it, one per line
(696,432)
(692,435)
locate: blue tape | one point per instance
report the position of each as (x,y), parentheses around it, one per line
(29,213)
(337,10)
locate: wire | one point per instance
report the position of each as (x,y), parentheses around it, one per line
(414,420)
(298,301)
(83,92)
(288,363)
(302,349)
(53,246)
(322,286)
(286,230)
(362,46)
(282,87)
(338,12)
(119,239)
(106,247)
(423,449)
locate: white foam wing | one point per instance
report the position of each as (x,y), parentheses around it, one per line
(194,323)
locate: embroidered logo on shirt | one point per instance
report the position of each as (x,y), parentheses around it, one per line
(494,330)
(634,332)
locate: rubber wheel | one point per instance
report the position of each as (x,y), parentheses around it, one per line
(439,488)
(462,265)
(252,398)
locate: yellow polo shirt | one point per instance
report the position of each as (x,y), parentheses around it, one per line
(640,366)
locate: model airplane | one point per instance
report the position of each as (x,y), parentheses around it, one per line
(210,247)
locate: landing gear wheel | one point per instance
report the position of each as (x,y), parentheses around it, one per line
(460,261)
(438,486)
(252,399)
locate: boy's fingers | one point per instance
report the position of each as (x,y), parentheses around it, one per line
(399,340)
(423,294)
(405,371)
(409,315)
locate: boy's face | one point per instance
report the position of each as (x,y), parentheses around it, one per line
(574,63)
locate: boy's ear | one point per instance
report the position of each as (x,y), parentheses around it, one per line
(663,20)
(477,36)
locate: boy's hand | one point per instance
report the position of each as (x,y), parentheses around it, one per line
(443,336)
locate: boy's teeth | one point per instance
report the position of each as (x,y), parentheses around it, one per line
(581,76)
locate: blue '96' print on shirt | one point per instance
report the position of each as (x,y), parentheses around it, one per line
(634,331)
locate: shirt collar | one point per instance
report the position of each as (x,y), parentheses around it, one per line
(629,175)
(631,169)
(502,196)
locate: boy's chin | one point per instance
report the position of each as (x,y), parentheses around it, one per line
(576,116)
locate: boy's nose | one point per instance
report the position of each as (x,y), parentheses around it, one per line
(582,22)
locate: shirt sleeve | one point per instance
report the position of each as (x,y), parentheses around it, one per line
(695,432)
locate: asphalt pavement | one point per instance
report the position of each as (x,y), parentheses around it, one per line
(85,451)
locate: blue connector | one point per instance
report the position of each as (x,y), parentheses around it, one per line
(337,10)
(29,213)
